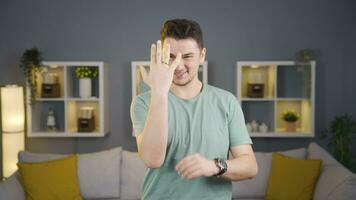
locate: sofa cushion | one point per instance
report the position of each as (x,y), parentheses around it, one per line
(11,188)
(256,187)
(317,152)
(335,181)
(99,172)
(55,179)
(292,178)
(132,175)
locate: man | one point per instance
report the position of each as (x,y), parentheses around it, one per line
(185,129)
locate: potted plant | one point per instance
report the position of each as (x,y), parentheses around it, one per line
(31,63)
(304,56)
(290,117)
(340,136)
(85,75)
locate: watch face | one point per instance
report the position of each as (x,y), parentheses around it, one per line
(221,164)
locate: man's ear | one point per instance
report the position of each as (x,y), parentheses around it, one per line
(202,56)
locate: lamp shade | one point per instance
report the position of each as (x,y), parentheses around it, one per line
(12,109)
(13,118)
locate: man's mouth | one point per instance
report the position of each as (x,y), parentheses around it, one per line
(180,74)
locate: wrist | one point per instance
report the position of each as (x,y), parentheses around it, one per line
(159,93)
(214,168)
(221,165)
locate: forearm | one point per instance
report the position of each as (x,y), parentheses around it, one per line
(155,133)
(240,168)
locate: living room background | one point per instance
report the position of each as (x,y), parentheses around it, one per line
(121,31)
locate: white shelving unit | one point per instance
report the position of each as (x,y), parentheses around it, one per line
(287,86)
(66,106)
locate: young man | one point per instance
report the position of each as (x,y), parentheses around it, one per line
(185,129)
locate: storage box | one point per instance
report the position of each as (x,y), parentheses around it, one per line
(86,125)
(255,90)
(50,90)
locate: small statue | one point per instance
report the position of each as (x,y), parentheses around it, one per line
(248,127)
(254,126)
(51,121)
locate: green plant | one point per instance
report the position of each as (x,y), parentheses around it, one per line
(31,63)
(86,72)
(340,136)
(290,116)
(304,56)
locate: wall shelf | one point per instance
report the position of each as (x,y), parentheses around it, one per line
(66,106)
(286,86)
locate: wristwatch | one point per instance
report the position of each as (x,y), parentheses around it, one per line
(221,164)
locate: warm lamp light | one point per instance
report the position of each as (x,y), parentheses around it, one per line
(13,124)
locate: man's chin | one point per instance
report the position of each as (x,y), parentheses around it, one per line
(181,82)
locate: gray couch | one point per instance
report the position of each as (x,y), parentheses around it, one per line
(118,174)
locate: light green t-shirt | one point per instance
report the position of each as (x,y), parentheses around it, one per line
(208,124)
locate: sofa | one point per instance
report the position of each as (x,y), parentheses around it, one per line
(118,174)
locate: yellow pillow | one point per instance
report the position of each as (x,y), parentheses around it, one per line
(56,179)
(292,178)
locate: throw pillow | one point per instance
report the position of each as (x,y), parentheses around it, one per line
(56,179)
(98,172)
(255,188)
(292,178)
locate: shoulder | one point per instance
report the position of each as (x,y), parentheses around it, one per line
(219,93)
(142,99)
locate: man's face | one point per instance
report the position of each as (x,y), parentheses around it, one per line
(192,57)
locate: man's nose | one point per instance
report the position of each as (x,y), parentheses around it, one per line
(180,65)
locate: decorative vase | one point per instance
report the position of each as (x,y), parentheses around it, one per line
(291,126)
(248,127)
(85,87)
(263,128)
(254,126)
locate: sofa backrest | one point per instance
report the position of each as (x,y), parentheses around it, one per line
(335,181)
(98,172)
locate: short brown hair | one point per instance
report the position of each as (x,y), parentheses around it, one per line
(182,29)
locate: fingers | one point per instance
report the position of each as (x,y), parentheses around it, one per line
(176,62)
(159,52)
(184,161)
(153,54)
(166,53)
(185,165)
(192,172)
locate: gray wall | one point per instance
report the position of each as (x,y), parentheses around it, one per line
(118,32)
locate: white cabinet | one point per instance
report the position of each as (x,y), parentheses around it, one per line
(268,89)
(69,118)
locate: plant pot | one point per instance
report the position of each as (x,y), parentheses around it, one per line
(291,126)
(85,87)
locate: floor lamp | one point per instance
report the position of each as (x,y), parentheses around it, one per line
(13,126)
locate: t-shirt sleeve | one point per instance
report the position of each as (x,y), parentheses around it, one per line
(138,112)
(237,128)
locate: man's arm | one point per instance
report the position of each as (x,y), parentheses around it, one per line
(152,142)
(243,165)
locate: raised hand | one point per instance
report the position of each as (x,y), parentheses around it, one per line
(160,76)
